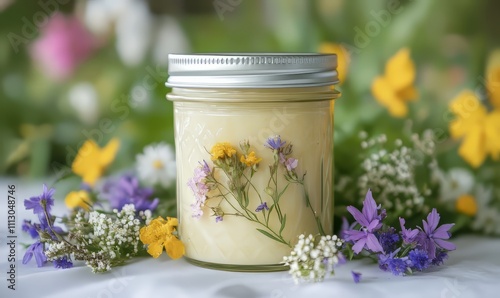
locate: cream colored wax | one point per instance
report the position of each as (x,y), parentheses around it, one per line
(306,124)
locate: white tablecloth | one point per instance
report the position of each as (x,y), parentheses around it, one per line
(471,271)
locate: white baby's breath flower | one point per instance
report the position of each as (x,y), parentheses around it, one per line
(313,258)
(156,165)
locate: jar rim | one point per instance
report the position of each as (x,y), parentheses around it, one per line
(252,70)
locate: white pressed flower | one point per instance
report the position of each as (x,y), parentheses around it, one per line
(456,182)
(156,165)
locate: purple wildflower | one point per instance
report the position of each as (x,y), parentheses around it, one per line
(126,190)
(408,235)
(365,238)
(440,257)
(262,207)
(275,143)
(63,263)
(356,276)
(419,259)
(219,218)
(398,266)
(291,163)
(30,228)
(345,227)
(388,239)
(432,236)
(35,249)
(342,259)
(37,203)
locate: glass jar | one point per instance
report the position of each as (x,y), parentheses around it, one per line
(254,146)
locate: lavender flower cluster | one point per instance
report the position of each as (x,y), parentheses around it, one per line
(398,252)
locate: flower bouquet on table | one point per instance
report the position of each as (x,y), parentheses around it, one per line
(111,222)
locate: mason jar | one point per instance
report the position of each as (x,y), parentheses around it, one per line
(254,147)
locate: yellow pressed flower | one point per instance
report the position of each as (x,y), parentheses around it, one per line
(250,159)
(479,129)
(160,233)
(222,150)
(78,199)
(343,58)
(395,88)
(466,204)
(493,79)
(91,160)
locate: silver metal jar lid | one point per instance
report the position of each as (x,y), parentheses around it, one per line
(237,70)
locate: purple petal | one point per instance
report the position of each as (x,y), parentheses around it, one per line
(373,225)
(442,231)
(353,235)
(28,254)
(426,227)
(358,216)
(373,244)
(356,276)
(359,245)
(433,219)
(369,207)
(445,244)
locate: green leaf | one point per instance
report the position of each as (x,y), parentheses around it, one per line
(269,235)
(283,223)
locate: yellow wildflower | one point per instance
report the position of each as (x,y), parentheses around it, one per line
(222,150)
(493,79)
(78,199)
(479,129)
(250,159)
(467,205)
(395,88)
(160,233)
(91,160)
(343,57)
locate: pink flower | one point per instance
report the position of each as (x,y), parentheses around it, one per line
(64,44)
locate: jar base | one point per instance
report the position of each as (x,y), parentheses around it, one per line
(239,268)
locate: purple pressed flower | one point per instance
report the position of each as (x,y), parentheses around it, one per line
(365,238)
(219,218)
(291,163)
(440,257)
(275,143)
(37,203)
(126,190)
(356,276)
(419,259)
(35,249)
(30,228)
(262,207)
(63,263)
(388,239)
(205,168)
(432,237)
(199,188)
(408,235)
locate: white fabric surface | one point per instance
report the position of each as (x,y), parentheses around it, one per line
(473,270)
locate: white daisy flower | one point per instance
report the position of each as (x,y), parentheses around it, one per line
(156,165)
(455,183)
(487,218)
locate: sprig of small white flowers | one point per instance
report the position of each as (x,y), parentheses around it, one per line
(392,173)
(312,260)
(101,240)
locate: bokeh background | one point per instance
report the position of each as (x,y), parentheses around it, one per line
(73,70)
